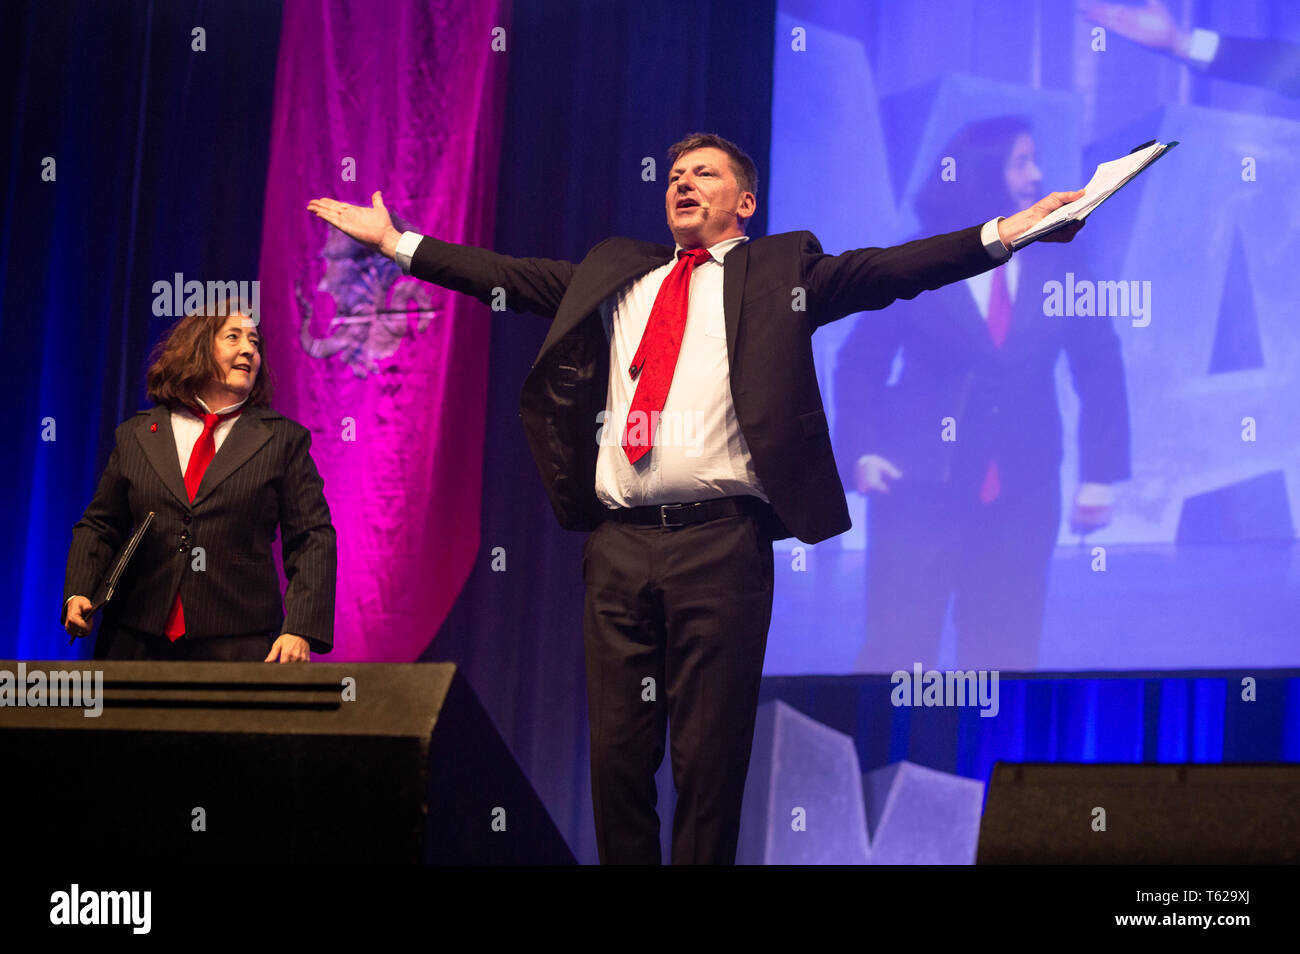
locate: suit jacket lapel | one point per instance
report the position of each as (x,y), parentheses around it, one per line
(733,289)
(245,439)
(950,312)
(633,264)
(159,446)
(582,301)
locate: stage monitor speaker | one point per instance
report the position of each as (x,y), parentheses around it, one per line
(249,762)
(1159,814)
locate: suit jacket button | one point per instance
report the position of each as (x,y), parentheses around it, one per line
(185,519)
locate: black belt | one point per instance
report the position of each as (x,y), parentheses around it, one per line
(670,516)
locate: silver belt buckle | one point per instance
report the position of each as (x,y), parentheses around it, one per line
(663,516)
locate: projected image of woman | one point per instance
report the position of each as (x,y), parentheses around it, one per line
(947,419)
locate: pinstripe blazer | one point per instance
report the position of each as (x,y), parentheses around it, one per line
(217,550)
(1003,400)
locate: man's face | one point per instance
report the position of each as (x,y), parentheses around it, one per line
(704,201)
(1024,179)
(238,352)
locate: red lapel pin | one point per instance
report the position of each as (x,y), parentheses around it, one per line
(154,428)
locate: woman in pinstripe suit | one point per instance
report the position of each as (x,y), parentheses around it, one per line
(222,473)
(971,517)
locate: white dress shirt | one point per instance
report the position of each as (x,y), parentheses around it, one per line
(699,452)
(981,286)
(186,428)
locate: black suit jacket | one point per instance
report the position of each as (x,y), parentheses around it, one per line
(262,478)
(1272,64)
(777,290)
(1003,400)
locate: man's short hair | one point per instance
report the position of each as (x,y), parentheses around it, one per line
(742,167)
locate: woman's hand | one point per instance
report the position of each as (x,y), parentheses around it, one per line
(1094,505)
(75,621)
(871,472)
(289,648)
(372,227)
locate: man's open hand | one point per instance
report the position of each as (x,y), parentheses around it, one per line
(372,226)
(1152,25)
(1009,229)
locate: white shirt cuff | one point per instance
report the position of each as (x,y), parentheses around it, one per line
(1204,46)
(1095,495)
(992,242)
(406,246)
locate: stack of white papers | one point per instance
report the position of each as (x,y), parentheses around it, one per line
(1109,178)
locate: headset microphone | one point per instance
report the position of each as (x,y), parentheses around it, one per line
(707,208)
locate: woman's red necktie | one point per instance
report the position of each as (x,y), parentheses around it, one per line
(205,448)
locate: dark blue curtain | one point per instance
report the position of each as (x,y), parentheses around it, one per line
(1162,717)
(160,159)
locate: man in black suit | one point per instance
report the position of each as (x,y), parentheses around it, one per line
(1272,64)
(679,567)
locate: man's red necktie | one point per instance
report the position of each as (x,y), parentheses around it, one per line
(999,323)
(656,358)
(205,448)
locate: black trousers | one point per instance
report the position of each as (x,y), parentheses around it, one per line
(121,642)
(675,630)
(927,544)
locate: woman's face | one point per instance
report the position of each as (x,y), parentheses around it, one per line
(1024,178)
(238,352)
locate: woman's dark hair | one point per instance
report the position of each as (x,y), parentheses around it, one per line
(182,363)
(979,191)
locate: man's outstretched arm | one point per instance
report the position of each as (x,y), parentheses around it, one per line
(534,285)
(866,279)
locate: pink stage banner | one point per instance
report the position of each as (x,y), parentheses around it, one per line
(387,372)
